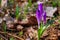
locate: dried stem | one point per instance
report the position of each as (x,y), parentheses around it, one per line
(15,36)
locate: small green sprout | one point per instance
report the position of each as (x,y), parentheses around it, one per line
(26,7)
(20,33)
(4,26)
(17,12)
(29,3)
(11,38)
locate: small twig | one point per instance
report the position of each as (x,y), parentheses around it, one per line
(15,36)
(3,37)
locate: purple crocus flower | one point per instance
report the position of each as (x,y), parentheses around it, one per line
(40,14)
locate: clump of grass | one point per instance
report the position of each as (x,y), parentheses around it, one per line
(27,7)
(43,28)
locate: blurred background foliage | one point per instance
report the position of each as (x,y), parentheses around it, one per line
(55,3)
(0,2)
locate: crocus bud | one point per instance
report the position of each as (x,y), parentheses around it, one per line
(40,6)
(40,14)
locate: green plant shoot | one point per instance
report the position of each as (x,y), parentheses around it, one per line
(17,12)
(20,33)
(11,38)
(29,3)
(43,28)
(4,26)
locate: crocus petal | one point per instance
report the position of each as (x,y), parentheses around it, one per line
(38,16)
(44,18)
(40,7)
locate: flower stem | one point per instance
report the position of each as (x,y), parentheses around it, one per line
(40,31)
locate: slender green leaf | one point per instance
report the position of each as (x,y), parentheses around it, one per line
(0,2)
(40,30)
(43,28)
(17,12)
(4,26)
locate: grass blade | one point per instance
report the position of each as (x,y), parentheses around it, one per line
(17,12)
(43,28)
(4,26)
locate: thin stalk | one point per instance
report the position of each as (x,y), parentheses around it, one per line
(38,35)
(40,31)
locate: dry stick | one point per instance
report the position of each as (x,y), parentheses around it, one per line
(3,37)
(12,35)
